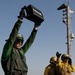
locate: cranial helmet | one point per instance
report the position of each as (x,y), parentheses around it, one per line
(64,56)
(53,59)
(19,36)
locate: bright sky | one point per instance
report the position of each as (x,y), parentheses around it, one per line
(51,36)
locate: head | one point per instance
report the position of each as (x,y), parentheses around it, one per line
(65,57)
(53,59)
(19,41)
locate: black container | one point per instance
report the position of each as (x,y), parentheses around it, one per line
(34,14)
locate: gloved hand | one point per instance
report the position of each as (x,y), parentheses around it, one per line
(70,61)
(22,13)
(37,24)
(58,54)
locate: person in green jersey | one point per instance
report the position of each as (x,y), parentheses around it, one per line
(13,59)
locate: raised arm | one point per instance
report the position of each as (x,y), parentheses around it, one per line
(9,43)
(31,38)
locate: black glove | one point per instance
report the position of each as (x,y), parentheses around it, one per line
(22,13)
(70,61)
(37,24)
(58,54)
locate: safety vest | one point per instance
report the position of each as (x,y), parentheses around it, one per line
(51,70)
(65,70)
(16,63)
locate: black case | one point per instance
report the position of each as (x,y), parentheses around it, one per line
(34,14)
